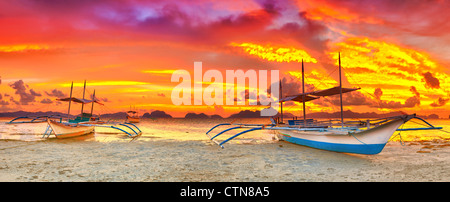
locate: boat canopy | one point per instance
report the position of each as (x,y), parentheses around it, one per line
(321,93)
(298,98)
(79,100)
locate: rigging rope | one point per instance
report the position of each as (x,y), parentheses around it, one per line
(400,136)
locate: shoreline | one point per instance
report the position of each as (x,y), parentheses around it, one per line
(192,161)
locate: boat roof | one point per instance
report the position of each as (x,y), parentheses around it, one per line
(316,94)
(78,100)
(298,98)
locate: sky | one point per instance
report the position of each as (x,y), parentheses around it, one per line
(397,52)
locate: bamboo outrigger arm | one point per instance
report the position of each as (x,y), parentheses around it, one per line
(133,133)
(33,119)
(428,128)
(252,127)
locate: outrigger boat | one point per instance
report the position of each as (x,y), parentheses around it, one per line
(86,123)
(360,137)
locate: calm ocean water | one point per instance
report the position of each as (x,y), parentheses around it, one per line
(194,130)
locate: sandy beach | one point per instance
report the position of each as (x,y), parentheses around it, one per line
(192,161)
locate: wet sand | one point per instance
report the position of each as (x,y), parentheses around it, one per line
(192,161)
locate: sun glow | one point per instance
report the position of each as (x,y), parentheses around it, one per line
(22,48)
(106,83)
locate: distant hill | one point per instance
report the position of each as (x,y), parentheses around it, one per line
(347,114)
(215,116)
(118,115)
(246,114)
(196,116)
(157,114)
(24,113)
(201,116)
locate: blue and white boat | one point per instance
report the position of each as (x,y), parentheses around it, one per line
(360,137)
(348,139)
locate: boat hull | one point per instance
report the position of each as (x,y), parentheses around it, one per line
(61,130)
(371,141)
(132,119)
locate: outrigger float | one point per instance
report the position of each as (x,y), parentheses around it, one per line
(80,125)
(360,137)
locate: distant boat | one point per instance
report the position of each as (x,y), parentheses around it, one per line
(360,137)
(133,116)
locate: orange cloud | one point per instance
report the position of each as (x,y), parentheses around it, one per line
(106,83)
(372,64)
(278,54)
(165,71)
(22,48)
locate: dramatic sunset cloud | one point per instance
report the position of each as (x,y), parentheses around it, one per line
(278,54)
(397,52)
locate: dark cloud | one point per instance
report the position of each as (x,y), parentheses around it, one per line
(202,23)
(56,93)
(414,90)
(292,86)
(390,104)
(14,101)
(34,93)
(46,101)
(99,98)
(172,21)
(3,103)
(21,90)
(378,93)
(354,98)
(271,6)
(431,81)
(309,34)
(409,102)
(440,102)
(412,102)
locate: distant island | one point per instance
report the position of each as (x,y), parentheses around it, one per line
(157,114)
(201,116)
(347,114)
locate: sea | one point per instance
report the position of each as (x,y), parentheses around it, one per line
(180,129)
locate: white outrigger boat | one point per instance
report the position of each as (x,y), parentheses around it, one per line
(81,125)
(360,137)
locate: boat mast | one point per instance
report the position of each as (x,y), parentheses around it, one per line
(93,100)
(340,90)
(82,104)
(281,103)
(303,98)
(70,100)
